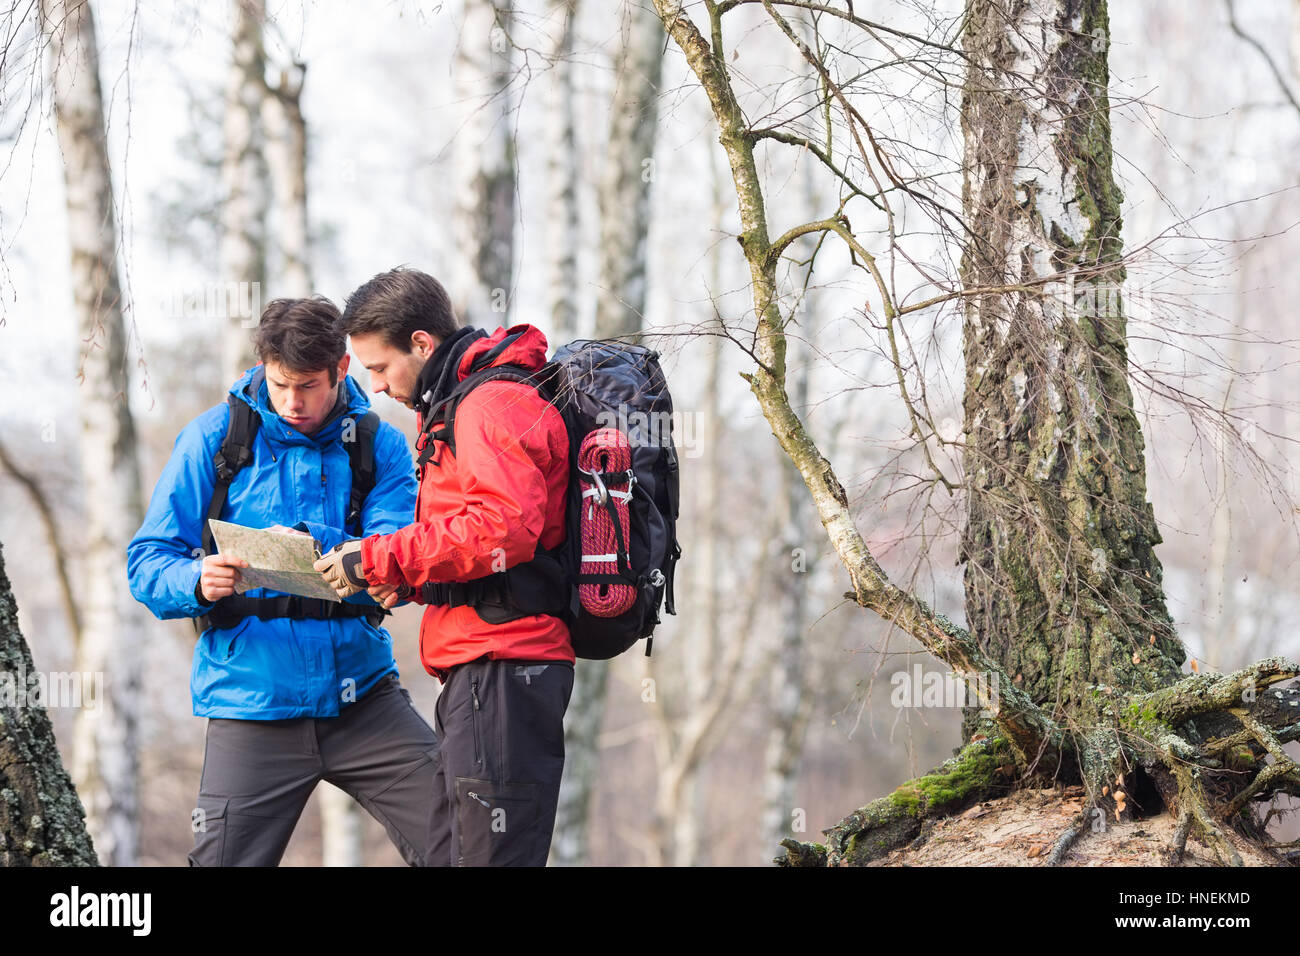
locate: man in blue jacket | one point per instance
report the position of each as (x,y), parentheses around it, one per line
(295,690)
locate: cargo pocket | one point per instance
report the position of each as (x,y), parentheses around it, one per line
(498,823)
(208,821)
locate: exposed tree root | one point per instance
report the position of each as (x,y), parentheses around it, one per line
(1066,841)
(981,770)
(802,854)
(1199,746)
(1179,846)
(1165,723)
(1191,799)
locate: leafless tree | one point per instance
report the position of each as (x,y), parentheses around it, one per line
(285,128)
(106,763)
(1063,588)
(242,230)
(481,279)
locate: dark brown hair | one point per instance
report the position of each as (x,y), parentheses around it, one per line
(397,303)
(303,335)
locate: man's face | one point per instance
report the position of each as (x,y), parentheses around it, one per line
(303,399)
(392,371)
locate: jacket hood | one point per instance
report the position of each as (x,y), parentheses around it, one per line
(251,389)
(523,345)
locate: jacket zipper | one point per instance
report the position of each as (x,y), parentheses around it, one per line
(478,752)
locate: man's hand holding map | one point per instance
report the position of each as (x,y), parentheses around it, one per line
(278,558)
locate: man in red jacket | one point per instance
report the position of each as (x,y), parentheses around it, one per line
(490,506)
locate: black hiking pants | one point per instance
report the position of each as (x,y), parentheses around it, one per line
(500,728)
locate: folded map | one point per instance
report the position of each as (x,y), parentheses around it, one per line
(276,559)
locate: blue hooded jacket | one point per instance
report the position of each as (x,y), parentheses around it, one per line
(276,668)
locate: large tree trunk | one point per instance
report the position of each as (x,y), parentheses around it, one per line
(242,247)
(106,763)
(1063,586)
(620,310)
(42,823)
(482,274)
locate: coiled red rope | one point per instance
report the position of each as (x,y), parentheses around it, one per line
(605,450)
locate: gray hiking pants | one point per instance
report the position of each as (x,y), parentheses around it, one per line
(258,774)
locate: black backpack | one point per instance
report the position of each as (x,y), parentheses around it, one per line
(593,384)
(235,453)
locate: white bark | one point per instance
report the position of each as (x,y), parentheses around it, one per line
(1220,615)
(629,173)
(341,827)
(700,649)
(242,249)
(1295,40)
(483,219)
(620,308)
(286,158)
(106,762)
(342,824)
(705,678)
(582,721)
(562,233)
(787,688)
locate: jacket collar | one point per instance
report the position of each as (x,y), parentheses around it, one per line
(440,373)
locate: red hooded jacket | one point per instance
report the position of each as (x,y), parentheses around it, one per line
(501,495)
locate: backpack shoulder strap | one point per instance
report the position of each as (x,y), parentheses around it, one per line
(361,458)
(441,425)
(235,453)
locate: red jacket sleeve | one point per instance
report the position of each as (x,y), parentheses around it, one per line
(501,462)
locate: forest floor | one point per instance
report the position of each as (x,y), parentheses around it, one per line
(1021,830)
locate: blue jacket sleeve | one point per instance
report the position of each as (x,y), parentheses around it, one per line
(165,556)
(390,504)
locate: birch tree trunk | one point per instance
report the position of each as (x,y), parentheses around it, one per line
(242,246)
(1063,585)
(286,159)
(342,824)
(483,221)
(570,843)
(628,174)
(562,224)
(42,822)
(787,688)
(680,798)
(106,763)
(619,310)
